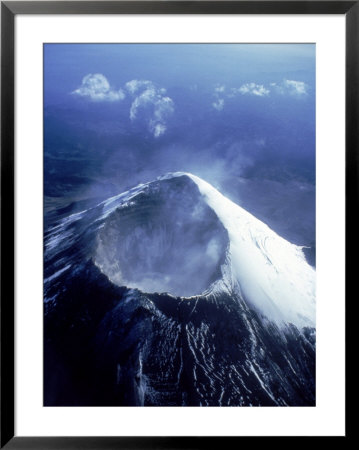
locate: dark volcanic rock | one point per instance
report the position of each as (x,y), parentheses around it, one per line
(107,344)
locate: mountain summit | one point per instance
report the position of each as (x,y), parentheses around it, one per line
(180,297)
(178,234)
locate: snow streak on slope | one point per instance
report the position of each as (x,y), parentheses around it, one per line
(271,272)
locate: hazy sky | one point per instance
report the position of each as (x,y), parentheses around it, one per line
(67,64)
(241,116)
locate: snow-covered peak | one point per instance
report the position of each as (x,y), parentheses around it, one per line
(272,273)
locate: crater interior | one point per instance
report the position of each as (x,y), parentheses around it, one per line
(166,239)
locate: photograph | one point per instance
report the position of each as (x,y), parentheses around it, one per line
(179,224)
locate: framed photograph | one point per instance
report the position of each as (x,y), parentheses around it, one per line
(175,182)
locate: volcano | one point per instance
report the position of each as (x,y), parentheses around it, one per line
(170,294)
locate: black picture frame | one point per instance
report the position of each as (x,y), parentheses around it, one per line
(9,9)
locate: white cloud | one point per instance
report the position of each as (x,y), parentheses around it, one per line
(221,88)
(291,87)
(153,102)
(147,97)
(253,89)
(135,85)
(97,88)
(295,87)
(158,129)
(286,87)
(219,94)
(218,104)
